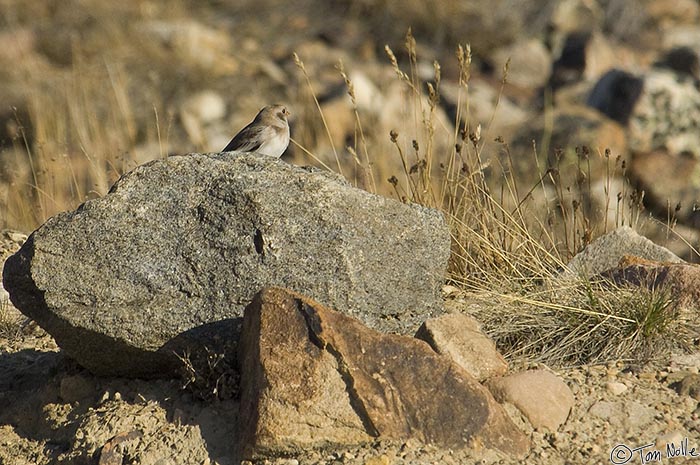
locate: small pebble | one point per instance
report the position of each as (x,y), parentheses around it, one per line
(615,388)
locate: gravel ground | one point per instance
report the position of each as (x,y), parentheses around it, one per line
(52,411)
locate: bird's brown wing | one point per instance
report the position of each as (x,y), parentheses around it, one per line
(248,140)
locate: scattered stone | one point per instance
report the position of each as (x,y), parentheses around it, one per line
(544,398)
(197,111)
(687,361)
(16,44)
(689,386)
(605,252)
(486,104)
(459,337)
(173,254)
(530,63)
(585,56)
(672,439)
(673,12)
(682,60)
(667,115)
(669,183)
(615,388)
(637,415)
(573,127)
(605,410)
(616,94)
(314,377)
(449,291)
(682,36)
(207,106)
(577,16)
(195,43)
(140,432)
(111,454)
(379,460)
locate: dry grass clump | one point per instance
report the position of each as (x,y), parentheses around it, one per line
(586,322)
(210,374)
(509,241)
(10,321)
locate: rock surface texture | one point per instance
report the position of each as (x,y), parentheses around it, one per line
(459,337)
(180,246)
(314,377)
(680,280)
(540,395)
(605,252)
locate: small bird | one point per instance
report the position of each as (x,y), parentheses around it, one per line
(267,134)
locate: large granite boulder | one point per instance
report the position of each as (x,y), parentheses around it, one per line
(178,247)
(312,377)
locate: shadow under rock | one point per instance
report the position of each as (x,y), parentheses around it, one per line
(28,369)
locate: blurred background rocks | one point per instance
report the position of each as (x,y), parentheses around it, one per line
(91,89)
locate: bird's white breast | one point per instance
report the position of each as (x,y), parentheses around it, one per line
(276,145)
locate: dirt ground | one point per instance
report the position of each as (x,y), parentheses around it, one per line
(54,412)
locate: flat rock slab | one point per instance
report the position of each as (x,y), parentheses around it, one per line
(313,377)
(178,247)
(459,337)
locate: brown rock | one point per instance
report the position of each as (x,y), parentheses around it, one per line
(539,394)
(681,280)
(689,386)
(458,336)
(669,180)
(572,126)
(292,393)
(313,377)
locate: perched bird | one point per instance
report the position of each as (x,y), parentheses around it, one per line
(268,134)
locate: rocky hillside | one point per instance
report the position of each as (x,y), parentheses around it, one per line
(94,89)
(478,248)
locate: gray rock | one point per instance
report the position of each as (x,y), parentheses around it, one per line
(178,248)
(605,252)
